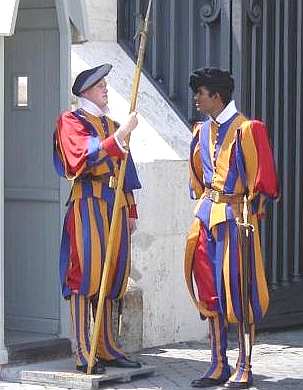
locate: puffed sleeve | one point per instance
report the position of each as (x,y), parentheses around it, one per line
(76,148)
(196,187)
(262,180)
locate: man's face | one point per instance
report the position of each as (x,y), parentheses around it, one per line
(206,103)
(97,94)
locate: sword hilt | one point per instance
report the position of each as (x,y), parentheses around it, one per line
(248,226)
(245,224)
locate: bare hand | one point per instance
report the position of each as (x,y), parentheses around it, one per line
(132,121)
(130,124)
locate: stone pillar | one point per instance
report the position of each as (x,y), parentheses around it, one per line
(3,351)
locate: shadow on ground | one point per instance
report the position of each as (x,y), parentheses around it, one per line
(277,363)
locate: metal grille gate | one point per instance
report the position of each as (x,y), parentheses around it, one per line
(260,41)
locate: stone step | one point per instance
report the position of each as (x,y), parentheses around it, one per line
(61,373)
(34,351)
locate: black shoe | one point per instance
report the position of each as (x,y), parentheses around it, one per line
(207,382)
(122,362)
(98,369)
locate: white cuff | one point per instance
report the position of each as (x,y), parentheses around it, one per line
(122,145)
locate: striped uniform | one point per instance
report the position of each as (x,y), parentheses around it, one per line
(233,157)
(79,157)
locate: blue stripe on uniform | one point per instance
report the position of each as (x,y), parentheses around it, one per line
(218,262)
(100,227)
(64,255)
(234,269)
(255,301)
(122,258)
(206,159)
(84,288)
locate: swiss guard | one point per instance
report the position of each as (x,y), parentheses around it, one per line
(88,149)
(233,176)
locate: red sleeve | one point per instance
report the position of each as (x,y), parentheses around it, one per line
(78,148)
(266,179)
(111,147)
(133,211)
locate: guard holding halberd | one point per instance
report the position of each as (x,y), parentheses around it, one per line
(88,149)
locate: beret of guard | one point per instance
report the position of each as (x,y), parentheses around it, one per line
(211,78)
(88,78)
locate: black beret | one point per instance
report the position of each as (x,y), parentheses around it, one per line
(211,78)
(88,78)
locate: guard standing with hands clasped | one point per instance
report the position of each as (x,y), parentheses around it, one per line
(232,175)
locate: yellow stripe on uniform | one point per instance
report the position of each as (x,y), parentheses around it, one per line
(101,345)
(222,163)
(217,215)
(115,253)
(260,274)
(230,314)
(95,269)
(83,323)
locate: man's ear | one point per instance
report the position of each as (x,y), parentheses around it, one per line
(218,97)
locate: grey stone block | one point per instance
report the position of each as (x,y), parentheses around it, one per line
(131,334)
(73,380)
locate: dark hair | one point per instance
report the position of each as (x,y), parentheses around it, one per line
(225,93)
(215,81)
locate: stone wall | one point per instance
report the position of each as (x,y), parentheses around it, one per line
(102,15)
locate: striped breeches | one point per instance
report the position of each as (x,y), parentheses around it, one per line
(81,309)
(219,368)
(218,341)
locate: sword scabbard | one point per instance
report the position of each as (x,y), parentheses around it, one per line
(246,227)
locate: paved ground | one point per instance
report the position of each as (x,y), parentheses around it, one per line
(277,364)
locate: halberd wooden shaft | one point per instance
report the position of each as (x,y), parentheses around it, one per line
(118,200)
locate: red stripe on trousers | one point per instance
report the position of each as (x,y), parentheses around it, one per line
(203,271)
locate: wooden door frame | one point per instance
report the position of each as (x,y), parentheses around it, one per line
(3,350)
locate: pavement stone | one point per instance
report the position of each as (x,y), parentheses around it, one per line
(277,364)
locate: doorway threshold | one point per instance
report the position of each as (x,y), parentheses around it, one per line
(27,347)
